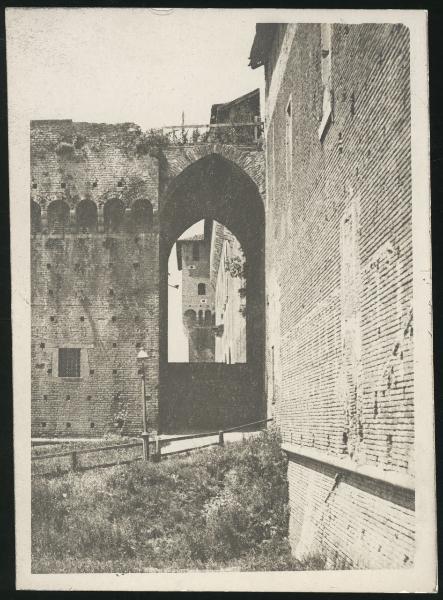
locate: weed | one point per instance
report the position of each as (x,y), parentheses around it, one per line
(222,508)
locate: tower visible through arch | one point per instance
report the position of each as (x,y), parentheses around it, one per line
(205,393)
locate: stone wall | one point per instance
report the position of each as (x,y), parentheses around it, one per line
(339,282)
(97,286)
(97,291)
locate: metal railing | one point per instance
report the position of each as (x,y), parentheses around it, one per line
(220,441)
(157,444)
(250,133)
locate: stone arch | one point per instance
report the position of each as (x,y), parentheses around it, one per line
(113,215)
(141,215)
(86,214)
(249,161)
(58,216)
(203,184)
(36,217)
(208,164)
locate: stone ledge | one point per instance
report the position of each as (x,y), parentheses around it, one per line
(399,480)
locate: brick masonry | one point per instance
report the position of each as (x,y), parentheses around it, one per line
(339,286)
(247,159)
(96,291)
(339,334)
(197,304)
(99,290)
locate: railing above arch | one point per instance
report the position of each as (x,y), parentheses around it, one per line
(249,134)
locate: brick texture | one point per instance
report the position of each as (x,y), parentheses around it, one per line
(99,289)
(96,291)
(339,279)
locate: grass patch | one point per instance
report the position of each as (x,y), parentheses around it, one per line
(222,508)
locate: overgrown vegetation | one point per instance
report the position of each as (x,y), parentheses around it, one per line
(223,508)
(152,141)
(236,266)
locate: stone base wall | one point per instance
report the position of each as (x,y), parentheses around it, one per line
(351,520)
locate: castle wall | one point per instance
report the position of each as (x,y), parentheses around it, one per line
(339,288)
(95,291)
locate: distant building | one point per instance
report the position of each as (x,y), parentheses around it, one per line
(339,284)
(241,111)
(193,259)
(213,295)
(244,109)
(229,284)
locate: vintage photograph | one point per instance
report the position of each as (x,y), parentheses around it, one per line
(226,335)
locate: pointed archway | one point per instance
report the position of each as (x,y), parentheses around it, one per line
(214,396)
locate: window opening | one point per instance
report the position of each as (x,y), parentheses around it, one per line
(69,362)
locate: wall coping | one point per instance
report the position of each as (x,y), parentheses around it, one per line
(345,463)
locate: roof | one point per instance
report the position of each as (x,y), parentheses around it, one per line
(198,237)
(264,34)
(215,108)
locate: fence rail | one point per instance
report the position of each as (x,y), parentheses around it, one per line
(189,436)
(156,443)
(87,450)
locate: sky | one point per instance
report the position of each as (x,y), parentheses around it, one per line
(132,65)
(144,66)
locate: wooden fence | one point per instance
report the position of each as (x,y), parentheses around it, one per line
(82,459)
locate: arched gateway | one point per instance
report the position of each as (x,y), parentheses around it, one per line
(224,184)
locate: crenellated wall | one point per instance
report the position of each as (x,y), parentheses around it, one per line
(94,282)
(98,276)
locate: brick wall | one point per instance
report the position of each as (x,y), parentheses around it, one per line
(197,307)
(353,521)
(339,269)
(95,291)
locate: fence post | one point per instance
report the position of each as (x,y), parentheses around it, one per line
(221,439)
(74,461)
(145,438)
(156,457)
